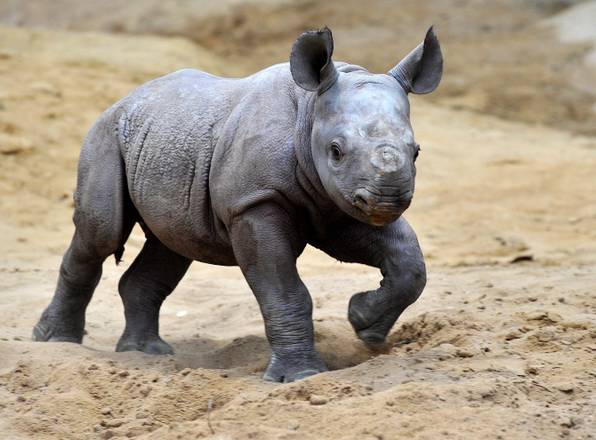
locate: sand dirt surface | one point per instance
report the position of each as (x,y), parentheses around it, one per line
(502,343)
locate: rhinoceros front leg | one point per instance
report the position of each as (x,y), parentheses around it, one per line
(266,246)
(395,250)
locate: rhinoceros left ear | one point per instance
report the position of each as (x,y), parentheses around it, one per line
(421,70)
(310,61)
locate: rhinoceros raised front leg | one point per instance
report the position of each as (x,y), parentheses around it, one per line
(395,250)
(266,247)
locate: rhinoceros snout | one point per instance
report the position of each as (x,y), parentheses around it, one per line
(381,209)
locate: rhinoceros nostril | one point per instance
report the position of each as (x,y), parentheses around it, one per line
(361,198)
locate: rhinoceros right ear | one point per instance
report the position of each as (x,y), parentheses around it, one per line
(421,70)
(310,61)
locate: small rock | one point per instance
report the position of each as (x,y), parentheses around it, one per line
(536,315)
(463,353)
(569,422)
(123,373)
(12,145)
(564,387)
(135,431)
(21,399)
(318,400)
(545,335)
(514,334)
(554,317)
(113,423)
(446,351)
(145,390)
(105,411)
(522,258)
(543,315)
(485,391)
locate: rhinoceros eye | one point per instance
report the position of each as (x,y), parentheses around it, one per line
(336,153)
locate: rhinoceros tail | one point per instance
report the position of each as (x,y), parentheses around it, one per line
(130,216)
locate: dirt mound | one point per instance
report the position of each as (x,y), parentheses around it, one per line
(490,357)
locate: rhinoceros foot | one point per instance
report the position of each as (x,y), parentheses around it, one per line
(370,321)
(149,345)
(56,329)
(291,367)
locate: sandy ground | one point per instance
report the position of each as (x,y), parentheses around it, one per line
(502,344)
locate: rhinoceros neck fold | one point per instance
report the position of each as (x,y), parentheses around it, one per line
(306,172)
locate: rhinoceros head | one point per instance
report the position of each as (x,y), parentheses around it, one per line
(362,143)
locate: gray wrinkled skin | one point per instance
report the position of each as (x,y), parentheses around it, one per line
(247,172)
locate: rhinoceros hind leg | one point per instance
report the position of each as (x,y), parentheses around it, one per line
(103,220)
(144,286)
(64,318)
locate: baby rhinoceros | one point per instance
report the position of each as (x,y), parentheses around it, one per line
(247,172)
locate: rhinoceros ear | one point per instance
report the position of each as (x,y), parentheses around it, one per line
(310,61)
(421,70)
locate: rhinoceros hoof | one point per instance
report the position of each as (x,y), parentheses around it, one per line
(153,345)
(288,368)
(361,313)
(54,330)
(369,327)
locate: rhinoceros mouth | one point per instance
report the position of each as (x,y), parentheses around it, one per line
(377,209)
